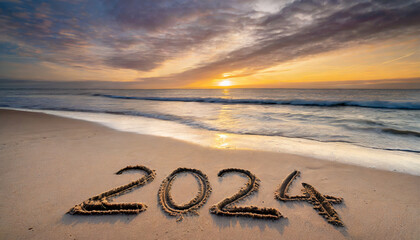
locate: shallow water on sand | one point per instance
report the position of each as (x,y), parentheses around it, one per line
(373,128)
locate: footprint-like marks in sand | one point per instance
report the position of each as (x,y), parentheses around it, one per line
(322,203)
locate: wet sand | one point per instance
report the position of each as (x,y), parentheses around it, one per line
(50,164)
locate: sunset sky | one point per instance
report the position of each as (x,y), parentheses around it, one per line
(207,44)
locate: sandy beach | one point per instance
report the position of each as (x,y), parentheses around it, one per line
(50,164)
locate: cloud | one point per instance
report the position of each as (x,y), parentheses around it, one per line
(166,29)
(159,15)
(139,61)
(401,83)
(326,26)
(47,31)
(118,34)
(399,58)
(143,35)
(37,84)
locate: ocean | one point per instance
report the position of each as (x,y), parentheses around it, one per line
(371,128)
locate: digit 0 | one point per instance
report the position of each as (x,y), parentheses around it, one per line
(173,209)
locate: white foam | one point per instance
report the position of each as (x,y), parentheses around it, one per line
(298,102)
(403,162)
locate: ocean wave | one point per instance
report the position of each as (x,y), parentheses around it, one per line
(392,131)
(188,121)
(201,125)
(401,132)
(359,121)
(296,102)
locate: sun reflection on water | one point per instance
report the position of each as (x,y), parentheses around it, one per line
(221,141)
(225,120)
(226,92)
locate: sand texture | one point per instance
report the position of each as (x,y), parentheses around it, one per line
(51,164)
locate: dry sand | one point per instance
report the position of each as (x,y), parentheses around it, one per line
(49,164)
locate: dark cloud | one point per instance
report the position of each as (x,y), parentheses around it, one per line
(142,35)
(47,30)
(32,84)
(158,15)
(166,28)
(69,32)
(401,83)
(325,26)
(139,61)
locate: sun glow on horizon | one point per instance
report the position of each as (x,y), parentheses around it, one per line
(225,83)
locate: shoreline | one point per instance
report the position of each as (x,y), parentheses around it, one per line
(50,164)
(346,153)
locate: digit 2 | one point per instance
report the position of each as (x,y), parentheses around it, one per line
(99,204)
(227,208)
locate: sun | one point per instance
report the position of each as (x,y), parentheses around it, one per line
(225,83)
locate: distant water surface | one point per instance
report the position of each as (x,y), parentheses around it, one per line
(386,121)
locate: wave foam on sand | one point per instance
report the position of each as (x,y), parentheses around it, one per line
(404,162)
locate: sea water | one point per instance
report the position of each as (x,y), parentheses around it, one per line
(370,128)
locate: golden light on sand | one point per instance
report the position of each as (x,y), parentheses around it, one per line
(221,141)
(225,83)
